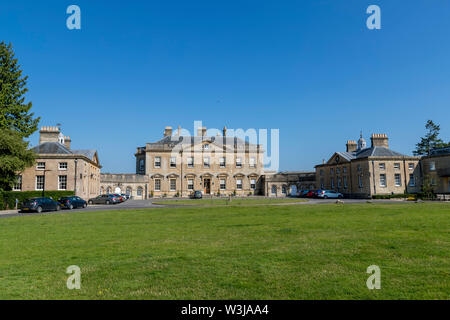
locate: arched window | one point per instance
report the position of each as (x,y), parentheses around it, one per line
(283,189)
(101,190)
(293,190)
(139,191)
(108,191)
(129,191)
(274,189)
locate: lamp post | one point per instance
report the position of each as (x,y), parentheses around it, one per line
(43,187)
(75,182)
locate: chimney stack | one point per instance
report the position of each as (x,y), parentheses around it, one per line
(352,146)
(168,132)
(67,142)
(224,131)
(380,140)
(49,134)
(201,131)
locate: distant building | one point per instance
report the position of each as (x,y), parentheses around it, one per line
(134,185)
(436,170)
(58,167)
(288,183)
(363,171)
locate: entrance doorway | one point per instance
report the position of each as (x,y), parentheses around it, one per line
(207,186)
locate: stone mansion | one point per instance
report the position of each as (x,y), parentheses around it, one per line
(177,165)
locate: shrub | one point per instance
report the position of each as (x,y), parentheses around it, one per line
(393,196)
(8,198)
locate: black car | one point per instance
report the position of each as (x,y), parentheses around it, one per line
(197,195)
(104,199)
(39,205)
(72,202)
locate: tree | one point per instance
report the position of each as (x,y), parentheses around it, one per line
(14,157)
(428,187)
(430,141)
(14,112)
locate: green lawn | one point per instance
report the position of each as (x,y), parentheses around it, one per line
(226,202)
(261,252)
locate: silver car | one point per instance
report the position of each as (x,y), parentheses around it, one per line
(329,194)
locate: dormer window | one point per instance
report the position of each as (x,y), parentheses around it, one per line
(206,147)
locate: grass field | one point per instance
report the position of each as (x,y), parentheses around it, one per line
(265,252)
(226,202)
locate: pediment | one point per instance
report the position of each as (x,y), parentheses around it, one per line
(337,159)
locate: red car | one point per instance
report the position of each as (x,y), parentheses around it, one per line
(312,193)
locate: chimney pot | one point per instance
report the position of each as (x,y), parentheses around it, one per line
(168,132)
(380,140)
(351,145)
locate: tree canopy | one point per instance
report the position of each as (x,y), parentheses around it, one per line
(14,112)
(16,121)
(430,141)
(14,157)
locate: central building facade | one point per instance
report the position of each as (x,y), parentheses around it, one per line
(178,165)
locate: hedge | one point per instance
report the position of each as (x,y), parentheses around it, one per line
(8,198)
(393,196)
(404,196)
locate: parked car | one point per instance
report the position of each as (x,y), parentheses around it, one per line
(72,202)
(39,205)
(125,196)
(104,199)
(120,197)
(312,193)
(197,195)
(303,193)
(325,194)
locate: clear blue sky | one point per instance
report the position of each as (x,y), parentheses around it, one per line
(309,68)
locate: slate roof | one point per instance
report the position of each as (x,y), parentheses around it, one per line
(347,155)
(440,151)
(378,152)
(58,148)
(88,153)
(371,152)
(51,148)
